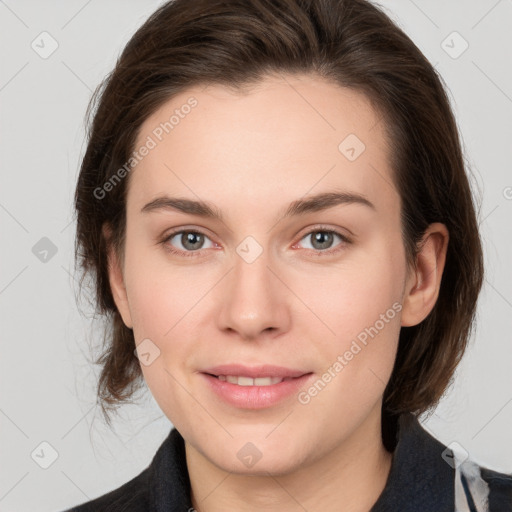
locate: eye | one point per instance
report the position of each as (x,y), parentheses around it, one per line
(188,242)
(322,240)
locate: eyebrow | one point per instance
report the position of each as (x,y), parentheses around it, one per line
(315,203)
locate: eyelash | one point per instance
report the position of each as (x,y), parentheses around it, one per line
(319,229)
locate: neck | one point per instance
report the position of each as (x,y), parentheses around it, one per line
(350,477)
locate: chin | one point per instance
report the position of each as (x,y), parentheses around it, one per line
(276,466)
(258,458)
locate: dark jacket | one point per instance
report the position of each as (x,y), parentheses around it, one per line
(422,479)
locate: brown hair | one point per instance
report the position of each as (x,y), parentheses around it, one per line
(235,43)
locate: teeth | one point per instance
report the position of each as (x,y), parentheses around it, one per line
(248,381)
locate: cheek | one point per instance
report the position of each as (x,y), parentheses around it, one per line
(165,301)
(160,294)
(153,306)
(356,294)
(361,305)
(358,360)
(162,303)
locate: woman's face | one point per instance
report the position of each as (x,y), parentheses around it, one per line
(314,285)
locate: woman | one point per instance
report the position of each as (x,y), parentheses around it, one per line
(274,205)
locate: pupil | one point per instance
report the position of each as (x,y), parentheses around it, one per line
(189,239)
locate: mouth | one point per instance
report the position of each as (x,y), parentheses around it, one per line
(255,392)
(241,380)
(243,375)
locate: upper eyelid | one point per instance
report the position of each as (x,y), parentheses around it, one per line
(327,229)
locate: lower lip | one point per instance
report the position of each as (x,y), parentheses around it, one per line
(256,397)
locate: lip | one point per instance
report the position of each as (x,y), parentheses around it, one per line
(255,397)
(266,370)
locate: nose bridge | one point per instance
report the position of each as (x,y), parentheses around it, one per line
(253,300)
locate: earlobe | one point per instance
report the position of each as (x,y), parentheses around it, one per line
(423,284)
(116,279)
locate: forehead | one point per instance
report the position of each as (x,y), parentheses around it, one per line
(282,137)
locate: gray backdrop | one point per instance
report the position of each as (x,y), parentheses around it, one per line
(56,450)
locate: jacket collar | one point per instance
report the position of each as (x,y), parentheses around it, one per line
(169,480)
(419,479)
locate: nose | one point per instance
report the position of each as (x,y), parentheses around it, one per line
(254,302)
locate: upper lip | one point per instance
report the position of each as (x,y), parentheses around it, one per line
(266,370)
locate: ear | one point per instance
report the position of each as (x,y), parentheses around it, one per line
(116,279)
(423,283)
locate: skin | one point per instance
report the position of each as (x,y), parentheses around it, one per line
(251,155)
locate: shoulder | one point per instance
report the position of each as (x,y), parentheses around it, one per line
(163,485)
(483,488)
(429,476)
(496,478)
(500,489)
(133,496)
